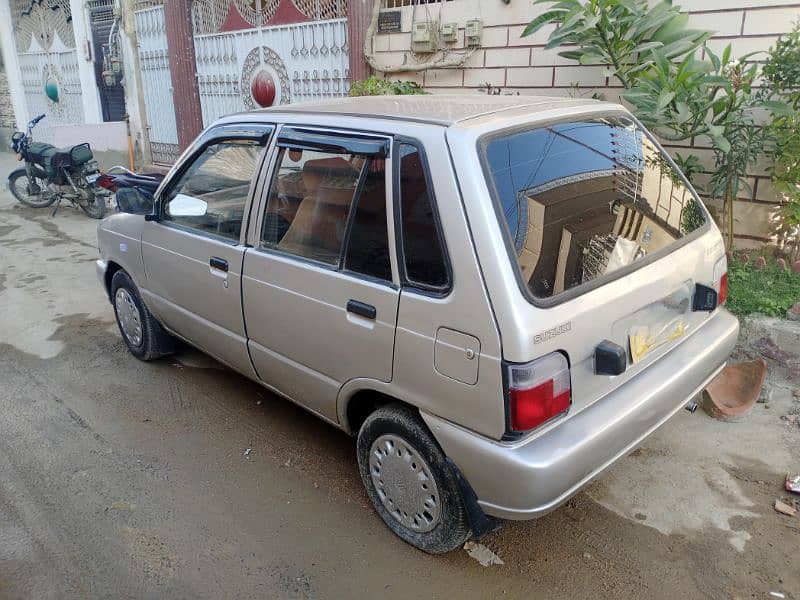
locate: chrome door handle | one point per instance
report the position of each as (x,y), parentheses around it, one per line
(362,309)
(218,263)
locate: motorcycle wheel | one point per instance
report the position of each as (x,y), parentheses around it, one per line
(18,184)
(94,206)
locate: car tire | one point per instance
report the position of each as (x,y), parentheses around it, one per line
(409,481)
(144,336)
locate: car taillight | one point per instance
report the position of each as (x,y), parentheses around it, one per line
(107,182)
(722,294)
(537,391)
(721,277)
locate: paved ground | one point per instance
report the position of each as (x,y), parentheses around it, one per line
(120,479)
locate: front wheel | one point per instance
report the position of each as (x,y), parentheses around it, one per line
(410,482)
(94,206)
(143,335)
(29,191)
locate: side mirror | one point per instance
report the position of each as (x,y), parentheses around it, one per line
(187,206)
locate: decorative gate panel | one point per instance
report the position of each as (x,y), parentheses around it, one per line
(259,53)
(157,84)
(48,62)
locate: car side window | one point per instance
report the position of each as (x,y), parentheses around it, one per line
(211,194)
(423,250)
(329,207)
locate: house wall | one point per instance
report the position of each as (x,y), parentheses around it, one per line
(524,66)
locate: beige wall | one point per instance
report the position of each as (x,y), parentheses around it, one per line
(522,65)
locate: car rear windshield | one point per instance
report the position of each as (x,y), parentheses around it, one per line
(582,199)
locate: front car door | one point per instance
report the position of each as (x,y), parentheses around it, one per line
(193,251)
(320,294)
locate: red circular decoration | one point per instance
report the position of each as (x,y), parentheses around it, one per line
(263,89)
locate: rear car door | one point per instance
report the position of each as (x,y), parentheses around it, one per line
(319,292)
(193,250)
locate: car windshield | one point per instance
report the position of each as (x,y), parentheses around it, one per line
(582,199)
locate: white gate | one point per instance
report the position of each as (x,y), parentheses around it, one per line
(157,84)
(270,52)
(48,63)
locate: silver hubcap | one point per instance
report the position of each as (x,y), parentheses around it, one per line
(404,483)
(128,315)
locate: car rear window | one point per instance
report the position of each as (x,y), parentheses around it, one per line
(582,199)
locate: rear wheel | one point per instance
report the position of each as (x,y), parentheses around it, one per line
(409,481)
(145,338)
(94,206)
(29,191)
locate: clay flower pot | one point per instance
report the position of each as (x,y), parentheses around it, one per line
(732,393)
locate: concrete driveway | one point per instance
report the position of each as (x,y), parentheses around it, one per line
(120,479)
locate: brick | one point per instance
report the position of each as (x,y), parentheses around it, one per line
(517,12)
(698,5)
(444,77)
(417,77)
(391,58)
(530,76)
(583,76)
(721,23)
(399,41)
(548,58)
(758,22)
(381,43)
(477,59)
(494,37)
(539,38)
(743,45)
(508,57)
(480,77)
(766,191)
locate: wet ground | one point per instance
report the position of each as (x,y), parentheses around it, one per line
(120,479)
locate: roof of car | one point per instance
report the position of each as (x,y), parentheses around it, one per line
(439,109)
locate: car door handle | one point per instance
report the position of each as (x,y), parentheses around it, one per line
(218,263)
(361,309)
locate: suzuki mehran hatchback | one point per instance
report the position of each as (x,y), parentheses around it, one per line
(499,296)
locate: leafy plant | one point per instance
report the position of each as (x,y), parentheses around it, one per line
(376,86)
(652,53)
(781,74)
(618,33)
(770,290)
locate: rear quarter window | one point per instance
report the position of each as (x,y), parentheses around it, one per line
(583,199)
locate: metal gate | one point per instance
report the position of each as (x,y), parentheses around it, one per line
(157,84)
(48,63)
(259,53)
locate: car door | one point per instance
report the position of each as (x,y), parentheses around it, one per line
(320,292)
(193,249)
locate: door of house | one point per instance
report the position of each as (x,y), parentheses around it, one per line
(151,36)
(259,53)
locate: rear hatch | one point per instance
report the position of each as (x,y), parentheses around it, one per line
(608,240)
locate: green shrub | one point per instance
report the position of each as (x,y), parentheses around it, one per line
(376,86)
(770,290)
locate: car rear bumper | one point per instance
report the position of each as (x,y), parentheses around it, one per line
(528,478)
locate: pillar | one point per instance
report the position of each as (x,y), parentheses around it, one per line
(183,70)
(8,47)
(358,16)
(92,109)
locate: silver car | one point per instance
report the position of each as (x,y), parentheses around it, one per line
(498,296)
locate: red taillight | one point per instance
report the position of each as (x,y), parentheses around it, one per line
(107,182)
(722,295)
(538,391)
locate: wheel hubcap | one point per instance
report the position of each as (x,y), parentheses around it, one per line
(404,483)
(128,315)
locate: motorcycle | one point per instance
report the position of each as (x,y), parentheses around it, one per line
(133,192)
(54,174)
